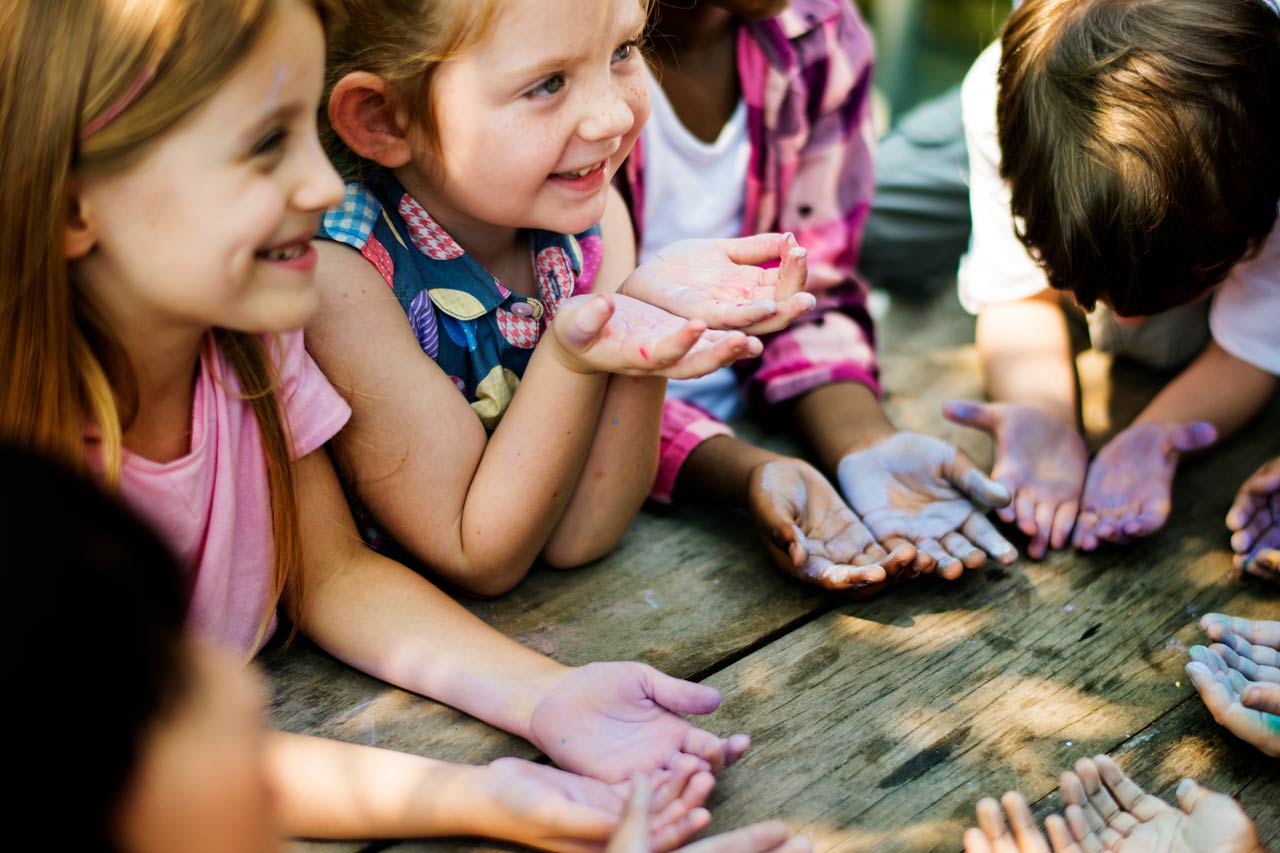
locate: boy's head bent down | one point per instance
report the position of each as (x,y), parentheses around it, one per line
(1141,142)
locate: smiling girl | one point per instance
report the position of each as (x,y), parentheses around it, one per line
(159,175)
(480,139)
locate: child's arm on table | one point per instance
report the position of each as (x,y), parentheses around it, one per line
(329,789)
(476,508)
(1130,481)
(1027,363)
(607,720)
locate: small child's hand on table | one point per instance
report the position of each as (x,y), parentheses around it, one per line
(1127,492)
(1238,677)
(812,533)
(636,834)
(919,490)
(551,809)
(1255,518)
(1107,811)
(1040,460)
(610,720)
(722,283)
(618,334)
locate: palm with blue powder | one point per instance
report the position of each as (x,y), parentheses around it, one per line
(1040,460)
(1128,492)
(917,490)
(1238,677)
(1255,520)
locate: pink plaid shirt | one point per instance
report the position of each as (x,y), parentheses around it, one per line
(806,79)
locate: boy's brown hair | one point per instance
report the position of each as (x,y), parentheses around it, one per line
(1141,141)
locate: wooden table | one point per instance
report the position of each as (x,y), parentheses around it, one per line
(878,725)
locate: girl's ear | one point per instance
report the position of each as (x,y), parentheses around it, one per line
(361,113)
(80,235)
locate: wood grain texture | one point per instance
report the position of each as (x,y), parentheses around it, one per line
(878,725)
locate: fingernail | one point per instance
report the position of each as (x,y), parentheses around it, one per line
(799,252)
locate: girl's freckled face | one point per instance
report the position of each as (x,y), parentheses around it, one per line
(536,119)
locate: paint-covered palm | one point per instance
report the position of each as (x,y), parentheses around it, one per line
(1238,677)
(618,334)
(1128,491)
(1255,518)
(919,490)
(814,536)
(609,720)
(723,283)
(1040,460)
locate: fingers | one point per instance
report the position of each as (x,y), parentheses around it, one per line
(765,837)
(674,834)
(1265,564)
(973,483)
(1254,493)
(1085,538)
(632,834)
(717,752)
(1259,633)
(972,414)
(1213,692)
(1148,520)
(1264,697)
(757,249)
(976,841)
(680,696)
(793,270)
(994,834)
(784,314)
(1190,793)
(1060,838)
(1064,519)
(1025,832)
(1189,438)
(587,318)
(984,534)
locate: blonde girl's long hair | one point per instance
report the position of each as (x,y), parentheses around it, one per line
(128,70)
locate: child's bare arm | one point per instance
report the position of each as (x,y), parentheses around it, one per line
(334,790)
(605,720)
(1217,387)
(1025,353)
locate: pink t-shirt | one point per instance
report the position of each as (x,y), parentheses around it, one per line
(212,506)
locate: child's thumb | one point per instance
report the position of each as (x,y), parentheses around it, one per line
(632,835)
(1193,436)
(1190,793)
(586,320)
(974,483)
(1263,697)
(970,413)
(684,697)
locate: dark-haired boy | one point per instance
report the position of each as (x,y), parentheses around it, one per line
(1127,154)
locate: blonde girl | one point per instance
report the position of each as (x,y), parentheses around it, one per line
(160,180)
(479,140)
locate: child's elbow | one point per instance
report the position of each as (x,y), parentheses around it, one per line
(571,552)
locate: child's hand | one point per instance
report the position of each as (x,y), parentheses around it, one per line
(1255,518)
(916,489)
(1040,460)
(1127,492)
(617,334)
(721,282)
(540,806)
(635,835)
(1106,810)
(609,720)
(1238,678)
(812,533)
(992,834)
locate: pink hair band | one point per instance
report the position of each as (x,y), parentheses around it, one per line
(119,106)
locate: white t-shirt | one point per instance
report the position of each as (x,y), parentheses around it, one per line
(1244,316)
(694,189)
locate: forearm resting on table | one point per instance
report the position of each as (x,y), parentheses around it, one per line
(328,789)
(1217,387)
(617,476)
(382,618)
(839,419)
(1026,356)
(719,468)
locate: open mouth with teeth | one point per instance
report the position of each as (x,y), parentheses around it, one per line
(580,173)
(286,253)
